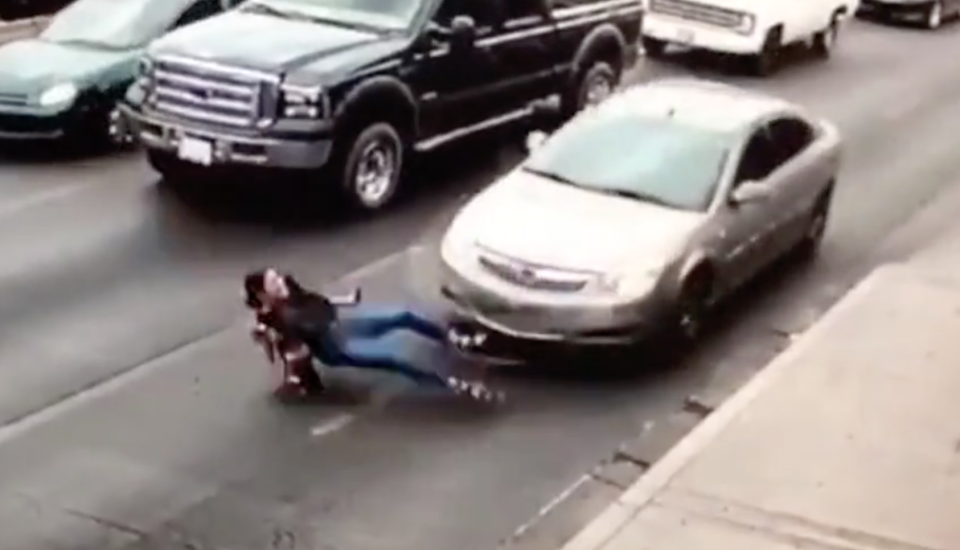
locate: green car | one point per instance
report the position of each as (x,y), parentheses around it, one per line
(66,82)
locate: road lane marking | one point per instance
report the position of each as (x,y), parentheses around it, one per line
(333,425)
(117,382)
(545,510)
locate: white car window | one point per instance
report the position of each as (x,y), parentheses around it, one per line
(654,160)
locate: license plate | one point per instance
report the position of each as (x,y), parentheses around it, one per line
(685,36)
(195,150)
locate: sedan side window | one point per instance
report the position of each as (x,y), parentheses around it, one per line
(790,136)
(201,9)
(759,158)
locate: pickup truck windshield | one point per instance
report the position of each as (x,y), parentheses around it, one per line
(653,160)
(110,24)
(385,14)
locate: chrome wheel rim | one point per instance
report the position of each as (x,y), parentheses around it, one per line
(375,172)
(935,17)
(598,89)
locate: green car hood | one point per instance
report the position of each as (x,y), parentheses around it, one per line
(32,66)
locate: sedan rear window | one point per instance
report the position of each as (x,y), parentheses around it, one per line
(655,160)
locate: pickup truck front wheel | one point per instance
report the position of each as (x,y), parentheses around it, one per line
(372,168)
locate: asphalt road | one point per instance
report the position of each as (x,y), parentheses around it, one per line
(136,414)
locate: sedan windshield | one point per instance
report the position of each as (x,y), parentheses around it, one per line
(652,160)
(394,15)
(112,24)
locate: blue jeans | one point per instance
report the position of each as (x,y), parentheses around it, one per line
(362,343)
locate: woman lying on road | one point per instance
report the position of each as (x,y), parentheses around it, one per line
(299,315)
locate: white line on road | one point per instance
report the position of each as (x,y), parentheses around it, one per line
(114,384)
(549,507)
(333,425)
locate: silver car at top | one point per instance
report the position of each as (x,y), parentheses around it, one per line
(640,214)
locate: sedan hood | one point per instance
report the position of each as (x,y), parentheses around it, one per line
(528,218)
(31,66)
(274,44)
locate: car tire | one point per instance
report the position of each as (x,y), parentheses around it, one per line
(653,47)
(173,172)
(825,40)
(692,307)
(933,18)
(816,227)
(370,172)
(767,61)
(600,77)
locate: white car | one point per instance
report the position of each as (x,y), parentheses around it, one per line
(639,214)
(756,28)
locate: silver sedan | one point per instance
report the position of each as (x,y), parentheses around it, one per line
(641,213)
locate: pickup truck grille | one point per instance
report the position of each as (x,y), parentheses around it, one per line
(701,13)
(202,93)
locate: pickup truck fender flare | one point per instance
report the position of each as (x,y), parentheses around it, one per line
(603,41)
(385,97)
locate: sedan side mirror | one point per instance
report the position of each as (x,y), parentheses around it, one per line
(750,192)
(535,139)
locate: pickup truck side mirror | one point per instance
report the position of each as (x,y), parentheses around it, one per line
(750,192)
(463,31)
(534,140)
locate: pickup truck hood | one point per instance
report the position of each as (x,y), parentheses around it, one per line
(266,43)
(31,66)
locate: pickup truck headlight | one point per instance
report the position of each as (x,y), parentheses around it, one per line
(297,102)
(747,24)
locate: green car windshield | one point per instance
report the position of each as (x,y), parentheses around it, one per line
(111,24)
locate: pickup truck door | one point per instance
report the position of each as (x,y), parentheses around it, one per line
(454,86)
(528,39)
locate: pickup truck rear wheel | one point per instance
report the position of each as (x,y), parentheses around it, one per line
(371,171)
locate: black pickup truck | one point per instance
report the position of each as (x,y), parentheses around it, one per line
(347,89)
(11,10)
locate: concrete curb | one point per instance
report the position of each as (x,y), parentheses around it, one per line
(607,525)
(21,28)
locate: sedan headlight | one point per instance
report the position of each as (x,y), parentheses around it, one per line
(300,102)
(747,24)
(60,94)
(632,285)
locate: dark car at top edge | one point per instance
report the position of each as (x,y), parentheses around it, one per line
(343,91)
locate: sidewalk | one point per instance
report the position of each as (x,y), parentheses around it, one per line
(850,440)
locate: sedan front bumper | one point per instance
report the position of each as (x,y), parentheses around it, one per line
(581,324)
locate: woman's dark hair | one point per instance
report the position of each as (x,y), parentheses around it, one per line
(253,283)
